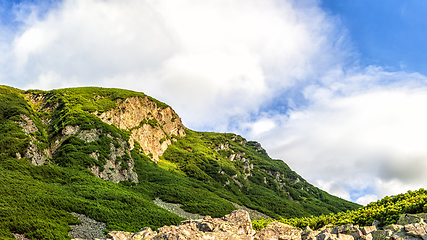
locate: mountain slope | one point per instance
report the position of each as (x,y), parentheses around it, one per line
(107,153)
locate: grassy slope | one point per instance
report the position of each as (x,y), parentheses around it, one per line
(195,156)
(36,200)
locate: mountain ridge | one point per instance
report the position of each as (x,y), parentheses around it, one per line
(76,138)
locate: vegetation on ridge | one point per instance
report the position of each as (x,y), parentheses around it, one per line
(386,211)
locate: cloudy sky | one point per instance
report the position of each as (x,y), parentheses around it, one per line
(335,88)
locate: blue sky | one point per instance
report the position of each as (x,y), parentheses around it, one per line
(388,33)
(336,89)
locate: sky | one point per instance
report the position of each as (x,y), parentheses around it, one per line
(335,88)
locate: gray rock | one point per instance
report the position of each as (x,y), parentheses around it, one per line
(381,235)
(406,219)
(368,229)
(88,229)
(276,230)
(237,225)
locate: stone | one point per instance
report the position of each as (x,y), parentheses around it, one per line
(33,154)
(368,229)
(325,236)
(236,225)
(120,235)
(393,227)
(144,233)
(28,126)
(376,223)
(89,135)
(276,230)
(87,229)
(366,237)
(20,236)
(405,219)
(417,230)
(344,237)
(381,235)
(310,235)
(343,228)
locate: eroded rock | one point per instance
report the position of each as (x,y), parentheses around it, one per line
(154,138)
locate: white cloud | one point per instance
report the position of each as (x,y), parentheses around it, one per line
(367,199)
(51,80)
(213,60)
(356,139)
(334,188)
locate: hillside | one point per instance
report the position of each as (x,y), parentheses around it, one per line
(108,153)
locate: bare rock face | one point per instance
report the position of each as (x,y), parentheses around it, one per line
(153,127)
(33,154)
(112,171)
(65,133)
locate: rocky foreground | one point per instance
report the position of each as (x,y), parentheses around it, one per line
(237,225)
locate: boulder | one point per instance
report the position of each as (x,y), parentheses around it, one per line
(119,235)
(368,229)
(406,219)
(381,235)
(236,225)
(417,230)
(277,230)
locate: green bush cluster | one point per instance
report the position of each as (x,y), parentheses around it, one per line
(386,210)
(36,201)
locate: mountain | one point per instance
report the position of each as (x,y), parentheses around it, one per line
(108,153)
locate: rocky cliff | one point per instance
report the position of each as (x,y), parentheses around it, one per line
(153,127)
(150,127)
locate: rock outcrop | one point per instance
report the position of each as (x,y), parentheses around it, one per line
(152,126)
(237,225)
(33,153)
(113,171)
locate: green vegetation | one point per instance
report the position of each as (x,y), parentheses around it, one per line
(197,155)
(386,210)
(202,171)
(37,200)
